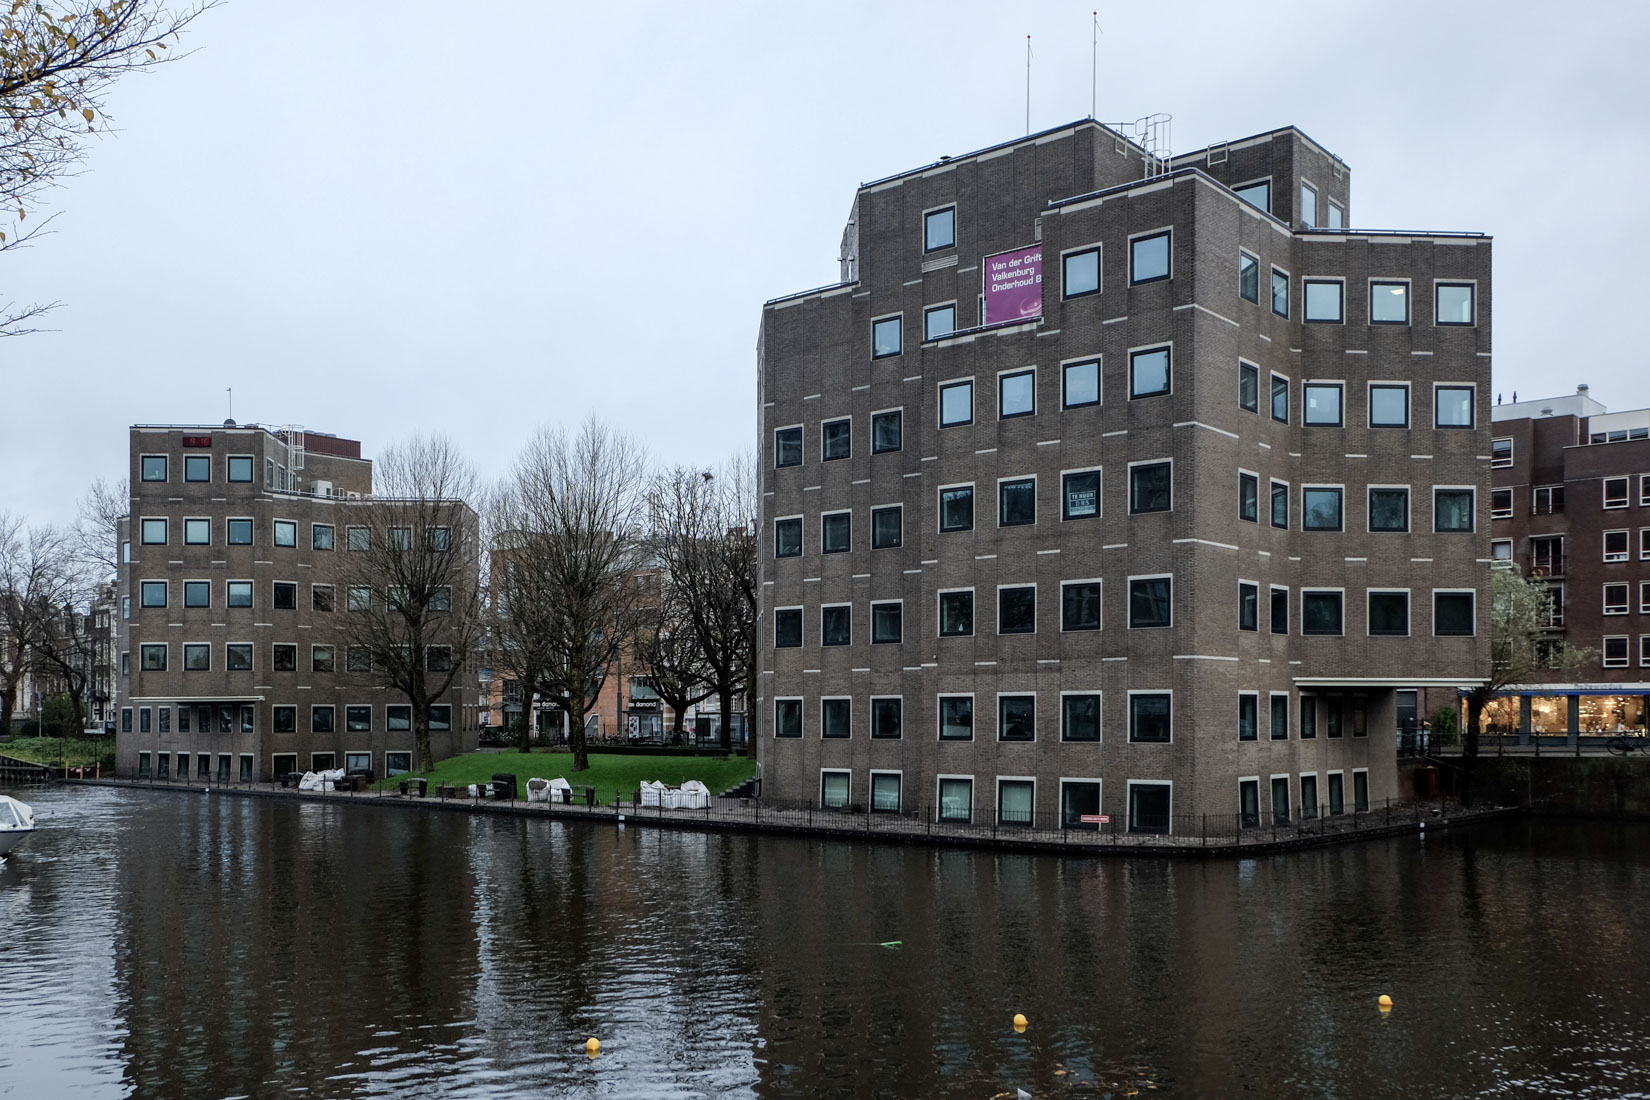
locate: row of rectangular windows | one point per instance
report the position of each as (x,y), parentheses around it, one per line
(197,657)
(282,763)
(284,596)
(1617,650)
(197,531)
(233,718)
(1150,606)
(1323,404)
(1322,507)
(1548,499)
(1547,552)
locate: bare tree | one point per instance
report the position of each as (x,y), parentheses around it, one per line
(411,612)
(41,590)
(676,666)
(704,528)
(97,529)
(566,529)
(58,62)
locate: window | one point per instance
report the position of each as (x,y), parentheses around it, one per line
(1080,717)
(238,532)
(1080,605)
(1149,807)
(1320,612)
(956,404)
(1016,394)
(836,439)
(1081,272)
(939,322)
(886,432)
(439,539)
(1248,277)
(1547,499)
(1248,386)
(1388,405)
(835,718)
(1280,800)
(1615,652)
(956,718)
(153,532)
(886,337)
(1017,502)
(321,597)
(1501,550)
(398,718)
(886,718)
(939,229)
(1616,598)
(787,628)
(1082,384)
(286,533)
(787,537)
(1280,399)
(1320,508)
(237,657)
(885,623)
(1389,614)
(833,789)
(787,451)
(956,800)
(1248,606)
(1080,494)
(1249,802)
(1309,205)
(358,658)
(1360,791)
(1149,718)
(1280,292)
(1615,492)
(1501,453)
(1388,303)
(1280,504)
(238,594)
(887,526)
(197,657)
(152,657)
(285,720)
(152,594)
(152,467)
(358,719)
(1248,716)
(1388,509)
(1149,258)
(1249,497)
(1455,303)
(1452,509)
(1258,194)
(1323,404)
(1309,717)
(197,593)
(1501,503)
(1016,717)
(320,536)
(359,597)
(1644,543)
(1148,372)
(197,532)
(1452,614)
(1453,406)
(885,793)
(358,538)
(1280,717)
(1150,487)
(1324,300)
(957,508)
(400,538)
(787,718)
(284,657)
(957,614)
(1017,609)
(1644,490)
(835,532)
(1337,217)
(437,658)
(1150,602)
(285,596)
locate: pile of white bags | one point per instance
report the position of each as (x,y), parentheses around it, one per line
(694,796)
(320,781)
(538,790)
(653,794)
(561,790)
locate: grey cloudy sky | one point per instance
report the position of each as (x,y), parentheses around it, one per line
(387,216)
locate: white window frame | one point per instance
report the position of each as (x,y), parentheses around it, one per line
(833,420)
(872,429)
(1473,489)
(1473,405)
(1501,513)
(1473,592)
(997,716)
(802,527)
(871,790)
(1088,629)
(871,714)
(1060,717)
(1128,803)
(1288,713)
(939,715)
(823,772)
(1097,781)
(997,801)
(1604,492)
(1502,463)
(1337,383)
(973,614)
(1255,695)
(1128,715)
(801,734)
(972,801)
(1128,486)
(1409,611)
(1300,214)
(997,612)
(1099,493)
(849,512)
(1627,544)
(803,428)
(828,606)
(1627,651)
(1389,383)
(1017,477)
(1128,596)
(1306,282)
(1409,300)
(804,634)
(1626,604)
(871,621)
(1455,282)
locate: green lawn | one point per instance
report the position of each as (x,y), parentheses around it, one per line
(62,751)
(612,776)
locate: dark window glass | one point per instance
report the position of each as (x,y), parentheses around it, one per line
(1082,383)
(238,657)
(957,508)
(1248,277)
(1280,505)
(1080,495)
(1256,194)
(1017,502)
(1454,509)
(286,596)
(240,532)
(1389,614)
(1388,303)
(1016,718)
(398,719)
(1149,258)
(1149,718)
(1080,718)
(939,322)
(886,527)
(1017,610)
(1080,605)
(1280,399)
(939,229)
(238,594)
(787,537)
(787,628)
(1452,614)
(153,467)
(240,468)
(885,718)
(1309,717)
(1280,611)
(197,593)
(1248,607)
(320,536)
(1320,613)
(885,337)
(886,429)
(358,719)
(956,718)
(1082,272)
(1149,807)
(320,721)
(956,404)
(1323,405)
(285,658)
(1150,487)
(1249,497)
(1280,717)
(835,532)
(1017,394)
(787,718)
(197,467)
(835,718)
(834,625)
(1280,293)
(837,439)
(956,614)
(1321,509)
(787,447)
(285,719)
(885,623)
(152,594)
(1249,802)
(1389,406)
(1149,372)
(1248,717)
(1389,509)
(1249,387)
(1149,602)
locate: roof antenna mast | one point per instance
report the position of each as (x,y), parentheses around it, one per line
(1028,83)
(1094,67)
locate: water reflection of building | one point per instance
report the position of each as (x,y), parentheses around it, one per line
(1571,504)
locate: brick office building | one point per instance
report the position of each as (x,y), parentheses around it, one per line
(1571,503)
(231,580)
(1166,540)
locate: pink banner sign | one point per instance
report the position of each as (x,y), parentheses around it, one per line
(1014,285)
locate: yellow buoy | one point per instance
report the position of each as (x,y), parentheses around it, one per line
(593,1046)
(1385,1002)
(1019,1020)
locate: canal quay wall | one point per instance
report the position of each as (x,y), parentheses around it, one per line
(1214,840)
(1569,786)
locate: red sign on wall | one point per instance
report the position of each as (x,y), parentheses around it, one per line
(197,441)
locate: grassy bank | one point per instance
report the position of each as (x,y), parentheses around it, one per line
(62,751)
(612,776)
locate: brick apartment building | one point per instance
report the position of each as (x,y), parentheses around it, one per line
(1104,483)
(231,581)
(1571,503)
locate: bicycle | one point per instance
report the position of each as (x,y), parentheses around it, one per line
(1625,745)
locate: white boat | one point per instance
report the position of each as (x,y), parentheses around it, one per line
(16,823)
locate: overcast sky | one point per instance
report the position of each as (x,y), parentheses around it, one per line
(388,216)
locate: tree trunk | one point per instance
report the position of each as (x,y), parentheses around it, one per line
(676,723)
(724,696)
(524,743)
(575,735)
(421,738)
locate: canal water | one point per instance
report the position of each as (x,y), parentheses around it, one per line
(158,944)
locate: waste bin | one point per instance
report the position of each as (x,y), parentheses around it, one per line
(504,787)
(590,796)
(414,787)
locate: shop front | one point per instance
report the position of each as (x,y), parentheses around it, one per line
(1570,712)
